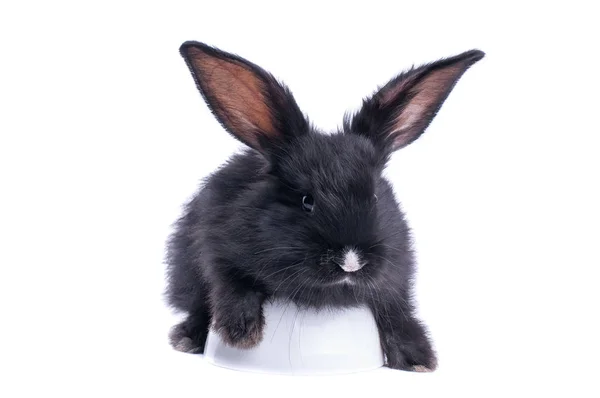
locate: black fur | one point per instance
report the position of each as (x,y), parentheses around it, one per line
(245,238)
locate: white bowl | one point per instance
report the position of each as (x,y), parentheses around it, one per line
(305,342)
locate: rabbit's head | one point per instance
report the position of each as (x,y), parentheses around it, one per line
(325,193)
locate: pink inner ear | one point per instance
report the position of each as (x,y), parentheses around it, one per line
(426,97)
(390,94)
(238,95)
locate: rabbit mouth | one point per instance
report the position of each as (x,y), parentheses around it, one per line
(347,280)
(342,280)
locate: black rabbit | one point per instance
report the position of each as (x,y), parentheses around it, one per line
(302,215)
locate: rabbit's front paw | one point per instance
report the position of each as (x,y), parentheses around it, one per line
(242,327)
(411,356)
(190,335)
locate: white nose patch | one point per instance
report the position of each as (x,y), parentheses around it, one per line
(352,261)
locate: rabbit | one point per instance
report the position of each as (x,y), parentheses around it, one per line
(301,214)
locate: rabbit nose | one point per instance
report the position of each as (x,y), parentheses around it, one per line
(351,261)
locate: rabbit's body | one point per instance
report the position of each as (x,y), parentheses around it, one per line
(302,216)
(214,216)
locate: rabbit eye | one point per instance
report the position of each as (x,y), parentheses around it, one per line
(308,203)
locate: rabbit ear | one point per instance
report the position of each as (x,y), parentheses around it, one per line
(249,103)
(401,110)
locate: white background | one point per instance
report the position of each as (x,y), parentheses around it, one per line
(104,137)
